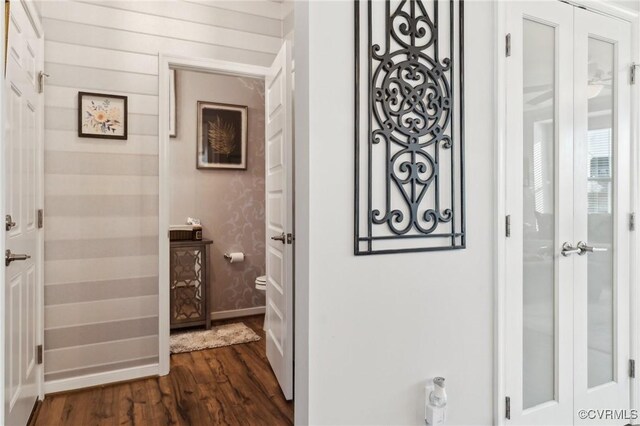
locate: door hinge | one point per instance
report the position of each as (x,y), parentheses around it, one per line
(634,67)
(507,47)
(9,224)
(40,218)
(507,408)
(507,225)
(290,238)
(41,76)
(39,354)
(632,222)
(632,368)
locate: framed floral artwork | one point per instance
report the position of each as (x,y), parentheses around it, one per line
(102,116)
(222,136)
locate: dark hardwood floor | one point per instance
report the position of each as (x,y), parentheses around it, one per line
(233,385)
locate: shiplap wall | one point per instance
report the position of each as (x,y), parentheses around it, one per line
(101,196)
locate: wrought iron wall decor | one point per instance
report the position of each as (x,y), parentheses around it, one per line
(409,162)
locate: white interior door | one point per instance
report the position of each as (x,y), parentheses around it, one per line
(23,191)
(540,205)
(602,164)
(568,182)
(279,219)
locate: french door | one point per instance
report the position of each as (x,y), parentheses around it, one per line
(568,200)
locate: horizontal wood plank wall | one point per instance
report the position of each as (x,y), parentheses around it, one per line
(101,196)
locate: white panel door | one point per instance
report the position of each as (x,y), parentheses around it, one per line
(568,196)
(22,173)
(279,219)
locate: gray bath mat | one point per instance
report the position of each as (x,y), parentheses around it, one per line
(223,335)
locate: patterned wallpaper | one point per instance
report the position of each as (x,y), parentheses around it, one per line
(230,203)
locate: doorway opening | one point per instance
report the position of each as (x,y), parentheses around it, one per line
(229,169)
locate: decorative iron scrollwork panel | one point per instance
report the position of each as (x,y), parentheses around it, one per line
(409,126)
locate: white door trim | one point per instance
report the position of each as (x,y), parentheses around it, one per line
(500,93)
(165,61)
(500,197)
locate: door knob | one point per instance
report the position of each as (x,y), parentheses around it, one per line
(568,249)
(8,222)
(280,238)
(10,257)
(584,248)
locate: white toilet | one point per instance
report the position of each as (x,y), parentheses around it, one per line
(261,284)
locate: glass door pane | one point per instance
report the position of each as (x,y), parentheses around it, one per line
(600,184)
(539,129)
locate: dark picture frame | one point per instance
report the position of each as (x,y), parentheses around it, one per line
(102,116)
(222,136)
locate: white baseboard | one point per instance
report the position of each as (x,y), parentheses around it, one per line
(237,313)
(98,379)
(133,373)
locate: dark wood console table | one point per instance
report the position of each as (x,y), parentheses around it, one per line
(189,286)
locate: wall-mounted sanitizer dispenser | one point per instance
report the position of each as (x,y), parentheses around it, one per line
(435,411)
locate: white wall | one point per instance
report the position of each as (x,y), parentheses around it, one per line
(379,326)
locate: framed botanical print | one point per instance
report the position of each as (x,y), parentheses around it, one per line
(102,116)
(222,136)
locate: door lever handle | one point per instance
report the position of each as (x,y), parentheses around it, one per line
(10,257)
(568,249)
(280,238)
(584,248)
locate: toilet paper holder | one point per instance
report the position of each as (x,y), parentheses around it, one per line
(234,257)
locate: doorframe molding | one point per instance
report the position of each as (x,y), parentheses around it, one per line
(499,201)
(165,62)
